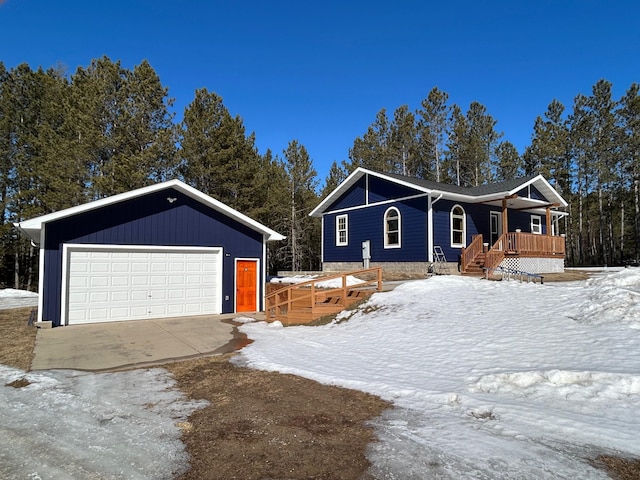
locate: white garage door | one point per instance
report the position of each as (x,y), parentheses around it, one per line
(112,284)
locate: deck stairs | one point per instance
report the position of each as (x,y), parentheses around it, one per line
(476,267)
(306,302)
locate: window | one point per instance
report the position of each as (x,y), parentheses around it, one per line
(342,230)
(458,227)
(392,228)
(536,224)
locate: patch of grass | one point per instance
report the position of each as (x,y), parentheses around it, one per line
(17,338)
(19,383)
(261,425)
(619,468)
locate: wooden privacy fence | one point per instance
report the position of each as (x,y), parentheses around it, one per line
(306,301)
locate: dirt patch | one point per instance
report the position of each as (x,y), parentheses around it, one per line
(263,425)
(567,276)
(17,338)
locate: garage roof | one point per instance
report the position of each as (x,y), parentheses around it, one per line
(33,227)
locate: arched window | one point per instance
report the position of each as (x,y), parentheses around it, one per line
(458,227)
(392,225)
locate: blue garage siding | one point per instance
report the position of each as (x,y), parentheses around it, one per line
(148,220)
(367,224)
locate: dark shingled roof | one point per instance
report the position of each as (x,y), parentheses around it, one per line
(478,191)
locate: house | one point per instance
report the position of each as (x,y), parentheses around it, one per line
(166,250)
(405,224)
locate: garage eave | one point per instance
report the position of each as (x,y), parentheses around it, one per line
(33,227)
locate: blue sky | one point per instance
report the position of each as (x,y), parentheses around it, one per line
(318,72)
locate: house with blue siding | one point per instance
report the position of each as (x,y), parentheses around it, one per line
(166,250)
(406,224)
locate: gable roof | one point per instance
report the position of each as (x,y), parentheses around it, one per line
(491,194)
(33,227)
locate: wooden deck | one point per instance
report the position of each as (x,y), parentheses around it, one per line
(513,244)
(305,302)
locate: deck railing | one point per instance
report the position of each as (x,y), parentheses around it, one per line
(308,294)
(524,244)
(471,252)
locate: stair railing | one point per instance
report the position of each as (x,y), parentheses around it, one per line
(494,256)
(469,253)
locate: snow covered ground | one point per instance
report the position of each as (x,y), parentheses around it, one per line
(69,425)
(491,380)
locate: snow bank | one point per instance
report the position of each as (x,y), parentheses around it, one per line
(12,298)
(613,298)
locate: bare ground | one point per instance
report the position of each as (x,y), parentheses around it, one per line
(264,425)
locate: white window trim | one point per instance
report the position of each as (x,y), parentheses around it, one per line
(346,231)
(536,228)
(464,227)
(384,228)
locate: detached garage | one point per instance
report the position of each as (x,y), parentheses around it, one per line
(167,250)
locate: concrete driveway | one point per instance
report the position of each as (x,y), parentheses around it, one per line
(120,345)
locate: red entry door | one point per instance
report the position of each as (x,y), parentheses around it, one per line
(246,283)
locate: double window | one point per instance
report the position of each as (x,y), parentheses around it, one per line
(392,226)
(342,230)
(458,227)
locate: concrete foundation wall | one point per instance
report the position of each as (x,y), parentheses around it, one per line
(403,268)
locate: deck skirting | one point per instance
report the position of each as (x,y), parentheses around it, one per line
(534,264)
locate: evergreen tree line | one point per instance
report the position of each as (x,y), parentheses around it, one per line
(69,139)
(591,155)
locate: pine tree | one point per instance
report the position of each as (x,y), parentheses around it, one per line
(432,130)
(337,174)
(373,150)
(549,152)
(125,133)
(629,115)
(509,162)
(217,156)
(303,231)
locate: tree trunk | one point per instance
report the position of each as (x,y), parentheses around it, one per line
(622,231)
(636,220)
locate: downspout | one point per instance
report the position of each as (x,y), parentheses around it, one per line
(430,203)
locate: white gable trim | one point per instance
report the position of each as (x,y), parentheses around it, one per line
(33,226)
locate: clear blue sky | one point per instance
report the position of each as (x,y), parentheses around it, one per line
(318,72)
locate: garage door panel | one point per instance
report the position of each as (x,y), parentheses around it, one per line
(98,281)
(117,284)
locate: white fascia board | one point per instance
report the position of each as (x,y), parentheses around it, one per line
(346,183)
(545,188)
(33,226)
(351,180)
